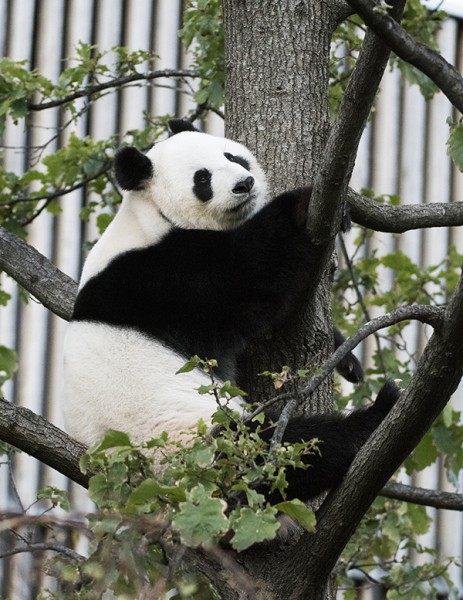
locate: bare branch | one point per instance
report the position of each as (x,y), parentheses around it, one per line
(61,192)
(45,547)
(425,497)
(33,434)
(31,269)
(330,184)
(432,315)
(397,219)
(360,299)
(432,64)
(119,82)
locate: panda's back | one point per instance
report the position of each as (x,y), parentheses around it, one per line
(141,395)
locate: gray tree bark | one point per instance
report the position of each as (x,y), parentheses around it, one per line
(277,57)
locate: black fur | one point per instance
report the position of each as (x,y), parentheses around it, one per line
(349,367)
(209,292)
(179,125)
(237,159)
(341,437)
(202,185)
(132,168)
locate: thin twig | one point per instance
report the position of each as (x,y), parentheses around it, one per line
(44,547)
(360,300)
(113,83)
(432,315)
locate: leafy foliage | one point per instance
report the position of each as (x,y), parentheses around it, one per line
(202,35)
(153,500)
(382,548)
(389,535)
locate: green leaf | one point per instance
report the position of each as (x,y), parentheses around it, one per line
(455,144)
(201,519)
(423,455)
(253,526)
(5,297)
(259,418)
(102,221)
(57,497)
(191,364)
(202,455)
(110,490)
(228,389)
(112,439)
(416,77)
(151,489)
(205,389)
(8,364)
(299,512)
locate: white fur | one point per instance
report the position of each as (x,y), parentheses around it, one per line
(137,224)
(116,377)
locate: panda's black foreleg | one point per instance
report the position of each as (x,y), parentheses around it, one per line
(349,367)
(340,439)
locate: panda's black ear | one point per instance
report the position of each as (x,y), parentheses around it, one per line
(179,125)
(132,168)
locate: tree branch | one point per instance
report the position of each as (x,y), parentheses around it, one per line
(61,192)
(44,547)
(398,219)
(89,90)
(31,269)
(330,185)
(437,376)
(33,434)
(27,431)
(432,64)
(432,315)
(425,497)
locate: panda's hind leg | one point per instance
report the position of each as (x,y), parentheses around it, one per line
(340,437)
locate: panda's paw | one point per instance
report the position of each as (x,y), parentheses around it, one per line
(350,368)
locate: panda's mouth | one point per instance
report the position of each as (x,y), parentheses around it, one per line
(244,203)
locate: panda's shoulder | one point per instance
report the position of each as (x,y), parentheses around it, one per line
(180,249)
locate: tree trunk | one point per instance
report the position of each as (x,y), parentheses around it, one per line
(276,59)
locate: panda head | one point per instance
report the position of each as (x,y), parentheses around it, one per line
(195,180)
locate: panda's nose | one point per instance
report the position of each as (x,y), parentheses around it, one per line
(244,186)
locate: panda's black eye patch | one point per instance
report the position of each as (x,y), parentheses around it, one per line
(202,185)
(238,159)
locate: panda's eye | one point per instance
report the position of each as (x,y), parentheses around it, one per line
(203,177)
(238,160)
(202,185)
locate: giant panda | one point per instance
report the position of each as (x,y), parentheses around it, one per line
(198,261)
